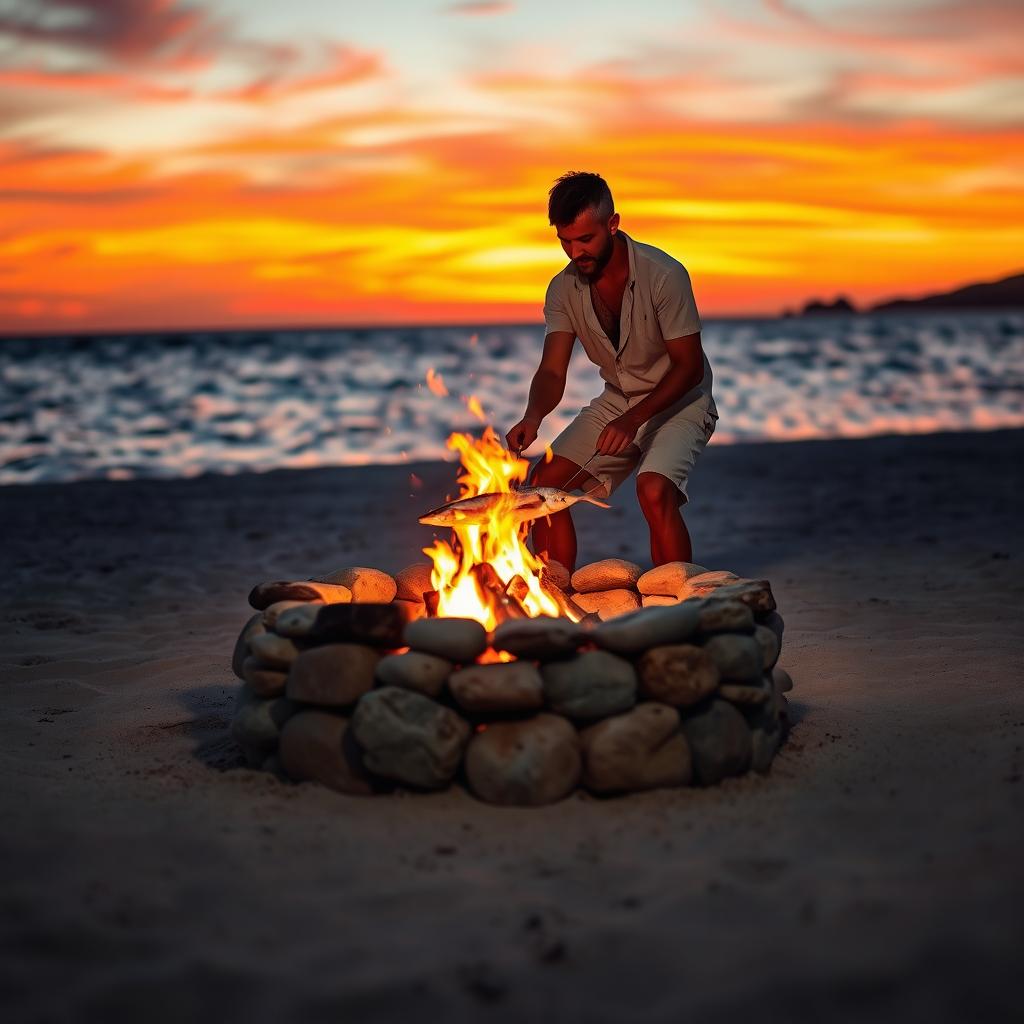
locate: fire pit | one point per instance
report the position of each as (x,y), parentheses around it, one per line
(492,666)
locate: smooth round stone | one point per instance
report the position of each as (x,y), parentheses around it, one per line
(317,745)
(782,680)
(272,611)
(274,650)
(677,674)
(412,609)
(607,574)
(297,621)
(707,583)
(718,616)
(650,627)
(738,657)
(413,582)
(461,640)
(739,693)
(540,639)
(253,628)
(368,586)
(668,579)
(414,670)
(608,604)
(755,594)
(408,737)
(764,745)
(720,742)
(657,600)
(265,680)
(509,686)
(256,724)
(334,675)
(265,594)
(557,574)
(773,621)
(641,749)
(769,644)
(526,763)
(590,685)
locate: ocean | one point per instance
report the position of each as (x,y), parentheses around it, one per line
(182,404)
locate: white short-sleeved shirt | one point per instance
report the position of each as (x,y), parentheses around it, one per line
(657,305)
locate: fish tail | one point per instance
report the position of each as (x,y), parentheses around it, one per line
(587,496)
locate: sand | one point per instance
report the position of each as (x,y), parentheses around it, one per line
(875,874)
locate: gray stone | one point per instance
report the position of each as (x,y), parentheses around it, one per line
(265,680)
(527,763)
(773,621)
(413,582)
(607,574)
(721,616)
(707,583)
(508,686)
(609,604)
(641,749)
(368,586)
(408,737)
(740,693)
(657,600)
(738,657)
(782,679)
(297,621)
(540,639)
(334,675)
(273,611)
(677,674)
(590,685)
(649,627)
(380,625)
(254,627)
(461,640)
(256,724)
(763,747)
(317,745)
(769,644)
(265,594)
(414,670)
(668,579)
(720,742)
(275,650)
(756,594)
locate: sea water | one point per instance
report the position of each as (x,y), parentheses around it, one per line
(181,404)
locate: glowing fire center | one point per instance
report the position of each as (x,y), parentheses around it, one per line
(487,468)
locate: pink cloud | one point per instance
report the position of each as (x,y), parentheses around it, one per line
(481,7)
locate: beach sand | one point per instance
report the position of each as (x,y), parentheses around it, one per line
(874,874)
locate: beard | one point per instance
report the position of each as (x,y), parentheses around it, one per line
(600,260)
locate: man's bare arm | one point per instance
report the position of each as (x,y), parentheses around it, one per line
(684,374)
(546,388)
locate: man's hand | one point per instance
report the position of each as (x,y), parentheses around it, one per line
(523,434)
(618,435)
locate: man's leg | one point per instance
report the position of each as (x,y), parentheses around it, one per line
(659,501)
(559,538)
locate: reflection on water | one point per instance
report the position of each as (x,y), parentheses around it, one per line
(183,404)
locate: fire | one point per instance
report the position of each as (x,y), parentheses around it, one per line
(436,383)
(487,572)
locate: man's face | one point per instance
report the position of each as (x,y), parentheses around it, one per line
(589,242)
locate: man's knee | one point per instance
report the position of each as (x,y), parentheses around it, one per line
(656,493)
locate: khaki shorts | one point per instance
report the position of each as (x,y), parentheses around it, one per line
(668,443)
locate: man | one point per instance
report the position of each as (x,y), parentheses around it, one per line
(632,307)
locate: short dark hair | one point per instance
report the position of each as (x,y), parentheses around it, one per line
(578,191)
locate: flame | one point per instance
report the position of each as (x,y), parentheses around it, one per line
(436,383)
(548,453)
(474,406)
(487,468)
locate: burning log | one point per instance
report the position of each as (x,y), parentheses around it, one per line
(517,588)
(491,586)
(568,606)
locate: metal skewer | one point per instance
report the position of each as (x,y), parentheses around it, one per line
(565,486)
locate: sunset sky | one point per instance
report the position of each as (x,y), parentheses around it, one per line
(226,162)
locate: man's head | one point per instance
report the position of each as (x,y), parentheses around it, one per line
(580,206)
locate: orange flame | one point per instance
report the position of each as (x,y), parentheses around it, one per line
(488,468)
(474,406)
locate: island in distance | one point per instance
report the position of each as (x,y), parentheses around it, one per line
(1006,293)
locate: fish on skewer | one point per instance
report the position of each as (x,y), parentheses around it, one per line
(524,505)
